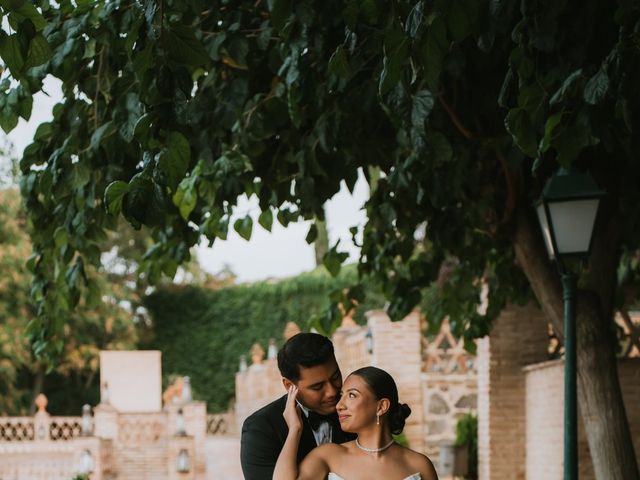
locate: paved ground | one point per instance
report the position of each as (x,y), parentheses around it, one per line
(223,458)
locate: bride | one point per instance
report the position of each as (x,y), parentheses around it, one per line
(369,407)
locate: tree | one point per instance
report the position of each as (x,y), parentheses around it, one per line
(175,108)
(101,324)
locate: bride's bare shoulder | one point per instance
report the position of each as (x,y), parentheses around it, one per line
(420,463)
(329,449)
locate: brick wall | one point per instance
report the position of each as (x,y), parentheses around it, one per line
(397,349)
(518,338)
(544,423)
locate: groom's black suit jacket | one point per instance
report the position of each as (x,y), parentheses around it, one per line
(263,436)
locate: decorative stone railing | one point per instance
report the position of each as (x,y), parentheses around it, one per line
(20,429)
(16,429)
(65,428)
(220,424)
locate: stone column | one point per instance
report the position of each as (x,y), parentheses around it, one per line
(397,349)
(195,420)
(519,337)
(105,420)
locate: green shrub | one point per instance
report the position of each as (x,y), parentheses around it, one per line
(467,434)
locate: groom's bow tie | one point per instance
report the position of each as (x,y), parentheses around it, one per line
(315,419)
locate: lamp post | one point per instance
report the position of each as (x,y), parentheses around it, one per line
(567,213)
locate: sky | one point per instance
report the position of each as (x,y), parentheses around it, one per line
(279,254)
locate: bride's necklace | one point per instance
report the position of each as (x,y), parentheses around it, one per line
(374,450)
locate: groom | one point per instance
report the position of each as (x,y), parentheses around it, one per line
(307,361)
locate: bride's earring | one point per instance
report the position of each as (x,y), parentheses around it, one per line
(377,419)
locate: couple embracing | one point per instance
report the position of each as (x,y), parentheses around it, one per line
(351,424)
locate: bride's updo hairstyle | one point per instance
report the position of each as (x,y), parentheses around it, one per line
(382,385)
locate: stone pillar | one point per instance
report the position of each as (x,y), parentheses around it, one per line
(105,421)
(397,349)
(350,346)
(195,420)
(41,420)
(177,446)
(519,337)
(258,385)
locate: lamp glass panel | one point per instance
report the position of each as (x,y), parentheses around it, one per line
(573,224)
(546,233)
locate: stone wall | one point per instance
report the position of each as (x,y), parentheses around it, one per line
(544,423)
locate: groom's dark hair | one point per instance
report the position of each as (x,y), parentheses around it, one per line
(303,350)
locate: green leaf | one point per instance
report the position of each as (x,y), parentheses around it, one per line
(11,53)
(8,121)
(396,50)
(432,51)
(280,11)
(27,10)
(571,140)
(421,108)
(80,175)
(185,48)
(114,195)
(43,132)
(138,201)
(26,105)
(11,5)
(244,226)
(339,64)
(549,130)
(333,260)
(174,161)
(596,88)
(294,97)
(143,60)
(142,126)
(566,86)
(414,20)
(312,234)
(266,219)
(39,51)
(186,196)
(102,132)
(61,237)
(519,126)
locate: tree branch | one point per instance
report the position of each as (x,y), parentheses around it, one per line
(466,133)
(532,258)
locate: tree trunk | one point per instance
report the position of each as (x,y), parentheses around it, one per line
(38,381)
(599,393)
(321,244)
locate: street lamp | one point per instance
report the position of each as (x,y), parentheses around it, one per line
(567,213)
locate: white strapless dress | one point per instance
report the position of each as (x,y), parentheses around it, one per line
(334,476)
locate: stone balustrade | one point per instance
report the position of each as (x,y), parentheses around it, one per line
(163,445)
